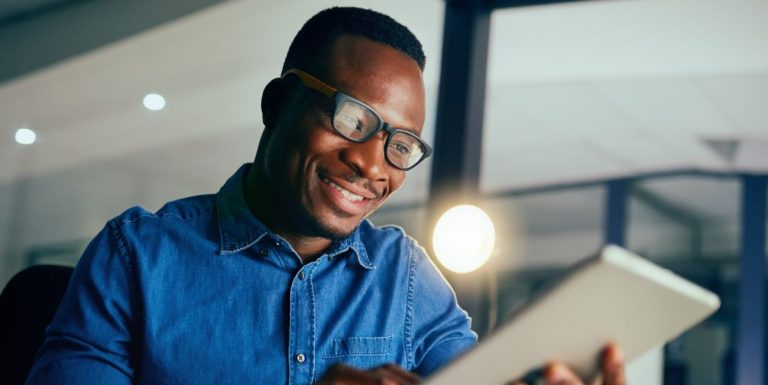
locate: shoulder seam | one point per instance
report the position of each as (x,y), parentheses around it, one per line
(391,226)
(408,329)
(165,215)
(124,255)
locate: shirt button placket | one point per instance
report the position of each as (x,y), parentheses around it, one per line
(302,335)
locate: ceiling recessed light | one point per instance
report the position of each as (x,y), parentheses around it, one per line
(154,102)
(25,136)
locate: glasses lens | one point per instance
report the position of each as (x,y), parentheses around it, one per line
(354,121)
(404,150)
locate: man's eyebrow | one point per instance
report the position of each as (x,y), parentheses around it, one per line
(412,131)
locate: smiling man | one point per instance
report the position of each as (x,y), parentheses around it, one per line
(278,278)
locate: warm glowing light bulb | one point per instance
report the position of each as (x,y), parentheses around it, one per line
(464,238)
(154,102)
(25,136)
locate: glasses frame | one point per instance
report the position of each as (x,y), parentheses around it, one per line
(339,97)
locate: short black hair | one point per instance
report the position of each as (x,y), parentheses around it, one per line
(321,31)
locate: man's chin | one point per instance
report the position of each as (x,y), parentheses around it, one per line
(329,227)
(334,231)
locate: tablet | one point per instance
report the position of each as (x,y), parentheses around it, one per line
(615,296)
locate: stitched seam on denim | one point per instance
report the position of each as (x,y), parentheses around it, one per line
(137,218)
(356,355)
(312,323)
(291,331)
(366,338)
(166,215)
(362,255)
(337,252)
(187,219)
(408,329)
(388,339)
(226,246)
(130,273)
(232,248)
(393,227)
(240,246)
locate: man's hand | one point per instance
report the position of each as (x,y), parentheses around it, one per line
(611,364)
(389,374)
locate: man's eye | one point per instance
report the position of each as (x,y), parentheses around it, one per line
(350,122)
(402,149)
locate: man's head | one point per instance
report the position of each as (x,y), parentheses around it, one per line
(320,31)
(323,183)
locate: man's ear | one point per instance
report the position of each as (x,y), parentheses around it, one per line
(272,100)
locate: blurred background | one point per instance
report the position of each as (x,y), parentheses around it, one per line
(667,97)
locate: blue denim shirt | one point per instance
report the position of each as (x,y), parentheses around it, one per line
(201,292)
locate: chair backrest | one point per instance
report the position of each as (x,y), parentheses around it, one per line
(27,305)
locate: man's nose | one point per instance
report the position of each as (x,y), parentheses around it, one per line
(367,158)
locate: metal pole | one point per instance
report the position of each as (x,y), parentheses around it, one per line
(617,197)
(461,103)
(751,335)
(459,132)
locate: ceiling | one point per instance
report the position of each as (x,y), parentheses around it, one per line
(622,87)
(17,9)
(577,91)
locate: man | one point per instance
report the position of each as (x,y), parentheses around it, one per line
(278,278)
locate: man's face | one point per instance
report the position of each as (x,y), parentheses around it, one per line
(325,183)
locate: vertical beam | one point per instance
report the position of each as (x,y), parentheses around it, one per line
(616,202)
(499,4)
(751,345)
(460,104)
(459,128)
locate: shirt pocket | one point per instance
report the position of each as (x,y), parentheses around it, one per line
(372,347)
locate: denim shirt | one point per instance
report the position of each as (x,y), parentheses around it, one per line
(201,292)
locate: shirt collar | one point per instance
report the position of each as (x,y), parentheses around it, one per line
(353,242)
(239,229)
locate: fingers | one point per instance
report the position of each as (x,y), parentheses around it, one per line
(534,377)
(559,374)
(395,373)
(555,373)
(339,374)
(388,374)
(612,364)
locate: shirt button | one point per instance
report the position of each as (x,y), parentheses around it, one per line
(301,275)
(263,252)
(300,358)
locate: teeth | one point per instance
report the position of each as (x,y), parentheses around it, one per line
(346,193)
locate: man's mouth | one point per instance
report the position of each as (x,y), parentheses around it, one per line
(350,196)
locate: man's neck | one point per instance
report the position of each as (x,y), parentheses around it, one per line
(308,248)
(266,208)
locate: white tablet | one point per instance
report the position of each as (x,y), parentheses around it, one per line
(615,296)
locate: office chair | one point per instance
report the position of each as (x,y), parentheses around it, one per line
(27,305)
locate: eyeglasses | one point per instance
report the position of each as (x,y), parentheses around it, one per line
(358,122)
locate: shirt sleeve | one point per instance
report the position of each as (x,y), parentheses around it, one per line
(89,340)
(439,328)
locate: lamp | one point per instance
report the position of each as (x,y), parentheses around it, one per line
(464,238)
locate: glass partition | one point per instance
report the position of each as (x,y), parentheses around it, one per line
(691,225)
(687,222)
